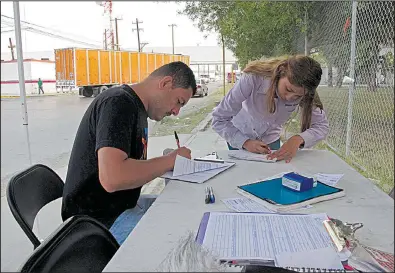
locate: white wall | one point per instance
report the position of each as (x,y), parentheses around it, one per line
(33,71)
(9,71)
(43,70)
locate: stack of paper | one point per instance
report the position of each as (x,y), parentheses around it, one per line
(195,171)
(244,205)
(245,155)
(263,237)
(324,259)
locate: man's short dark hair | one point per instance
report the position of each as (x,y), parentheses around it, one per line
(182,75)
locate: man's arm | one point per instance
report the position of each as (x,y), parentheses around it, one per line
(116,123)
(118,172)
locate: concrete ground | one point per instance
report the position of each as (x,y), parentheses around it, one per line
(53,123)
(15,246)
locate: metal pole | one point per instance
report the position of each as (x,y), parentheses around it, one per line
(172,35)
(306,51)
(352,75)
(18,38)
(138,34)
(21,75)
(223,61)
(116,33)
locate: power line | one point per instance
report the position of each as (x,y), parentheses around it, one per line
(49,34)
(75,38)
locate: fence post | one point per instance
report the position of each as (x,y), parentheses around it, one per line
(352,75)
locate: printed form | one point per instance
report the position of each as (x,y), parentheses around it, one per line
(245,205)
(245,155)
(329,179)
(195,171)
(246,236)
(184,166)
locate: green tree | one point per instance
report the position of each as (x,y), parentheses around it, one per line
(251,29)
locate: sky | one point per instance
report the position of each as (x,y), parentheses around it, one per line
(85,21)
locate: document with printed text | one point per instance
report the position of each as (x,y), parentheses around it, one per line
(196,171)
(245,155)
(324,258)
(184,166)
(329,179)
(244,205)
(262,236)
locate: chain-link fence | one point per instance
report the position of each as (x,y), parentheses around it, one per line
(354,42)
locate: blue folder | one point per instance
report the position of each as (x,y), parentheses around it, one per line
(274,192)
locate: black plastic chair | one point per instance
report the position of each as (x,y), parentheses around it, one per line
(28,192)
(79,244)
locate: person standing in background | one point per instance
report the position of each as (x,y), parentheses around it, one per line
(40,86)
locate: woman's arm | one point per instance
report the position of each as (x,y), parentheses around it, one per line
(229,107)
(318,130)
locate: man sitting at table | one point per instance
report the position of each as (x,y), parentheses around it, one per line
(108,163)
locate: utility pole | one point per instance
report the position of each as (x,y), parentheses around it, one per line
(138,32)
(116,33)
(105,39)
(172,34)
(11,46)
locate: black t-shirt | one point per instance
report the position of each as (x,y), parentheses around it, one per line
(116,118)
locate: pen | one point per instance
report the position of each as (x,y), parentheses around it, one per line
(177,140)
(212,197)
(207,199)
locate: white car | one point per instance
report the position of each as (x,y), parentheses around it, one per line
(202,89)
(206,78)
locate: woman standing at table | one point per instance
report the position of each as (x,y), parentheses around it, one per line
(253,112)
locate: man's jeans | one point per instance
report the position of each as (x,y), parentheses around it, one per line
(126,222)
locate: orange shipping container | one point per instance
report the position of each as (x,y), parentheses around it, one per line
(95,69)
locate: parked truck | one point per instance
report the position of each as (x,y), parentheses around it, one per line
(94,70)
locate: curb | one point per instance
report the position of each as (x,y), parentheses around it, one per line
(200,127)
(203,124)
(36,95)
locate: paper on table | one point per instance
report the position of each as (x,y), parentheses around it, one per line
(262,236)
(184,166)
(244,205)
(329,179)
(199,177)
(324,258)
(245,155)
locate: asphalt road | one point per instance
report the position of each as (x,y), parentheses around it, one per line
(53,123)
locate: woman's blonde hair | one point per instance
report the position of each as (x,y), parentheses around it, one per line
(301,71)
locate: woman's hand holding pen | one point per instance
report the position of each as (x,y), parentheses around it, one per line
(288,150)
(256,146)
